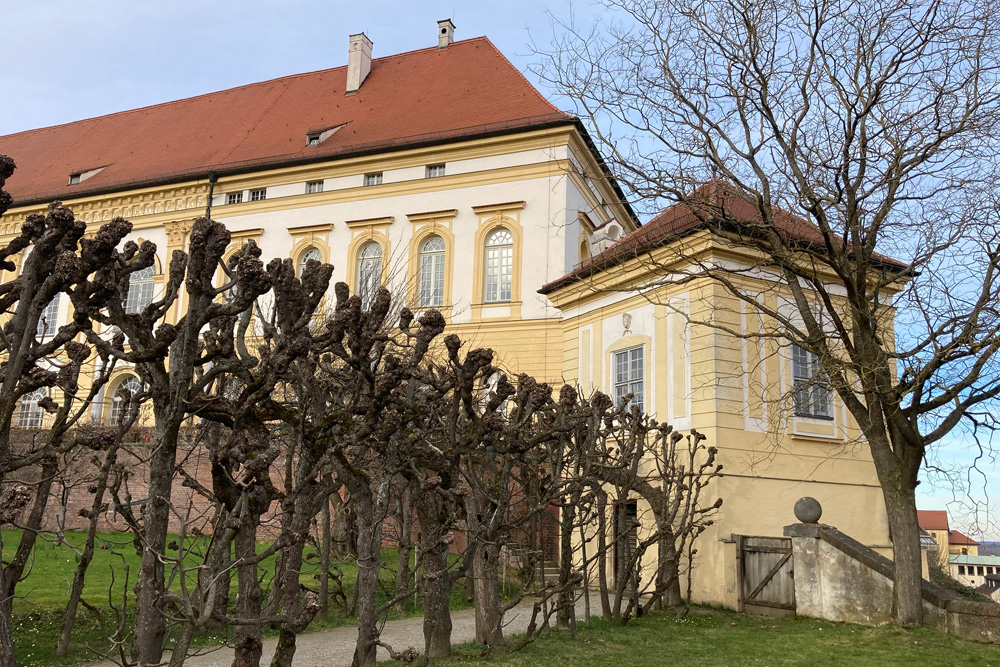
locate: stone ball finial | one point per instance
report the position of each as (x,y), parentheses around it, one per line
(808,510)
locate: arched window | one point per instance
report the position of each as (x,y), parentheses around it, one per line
(310,253)
(29,415)
(369,272)
(140,290)
(432,273)
(49,321)
(499,266)
(584,249)
(126,390)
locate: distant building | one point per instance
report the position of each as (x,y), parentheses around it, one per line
(974,570)
(991,587)
(949,542)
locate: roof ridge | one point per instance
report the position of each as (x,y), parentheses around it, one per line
(275,80)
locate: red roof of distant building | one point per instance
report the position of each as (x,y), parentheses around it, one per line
(933,519)
(955,537)
(706,203)
(413,98)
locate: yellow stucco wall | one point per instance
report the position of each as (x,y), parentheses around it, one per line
(731,390)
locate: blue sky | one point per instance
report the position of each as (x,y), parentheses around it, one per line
(70,60)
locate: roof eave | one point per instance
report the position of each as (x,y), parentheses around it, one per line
(235,169)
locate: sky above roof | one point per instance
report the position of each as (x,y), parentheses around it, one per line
(71,60)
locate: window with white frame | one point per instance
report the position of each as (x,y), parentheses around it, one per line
(435,170)
(140,290)
(259,194)
(629,369)
(29,414)
(48,323)
(120,403)
(234,198)
(499,266)
(369,272)
(432,273)
(314,187)
(812,393)
(373,179)
(311,253)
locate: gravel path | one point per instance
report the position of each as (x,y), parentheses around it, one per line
(335,647)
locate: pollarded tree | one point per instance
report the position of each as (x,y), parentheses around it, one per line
(175,367)
(41,364)
(838,130)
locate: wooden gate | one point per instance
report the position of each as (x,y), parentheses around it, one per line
(764,571)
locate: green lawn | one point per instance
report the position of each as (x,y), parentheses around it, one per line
(42,597)
(711,638)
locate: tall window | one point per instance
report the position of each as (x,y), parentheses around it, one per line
(629,369)
(499,266)
(29,415)
(369,272)
(432,272)
(49,321)
(126,390)
(140,290)
(812,395)
(311,253)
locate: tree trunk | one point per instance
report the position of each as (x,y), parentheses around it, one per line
(567,606)
(404,526)
(324,561)
(8,658)
(901,507)
(150,623)
(247,636)
(485,573)
(602,552)
(76,590)
(369,560)
(436,581)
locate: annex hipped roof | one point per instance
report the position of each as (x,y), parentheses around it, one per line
(955,537)
(686,217)
(408,99)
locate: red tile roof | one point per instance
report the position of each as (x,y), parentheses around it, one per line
(418,97)
(704,204)
(933,519)
(955,537)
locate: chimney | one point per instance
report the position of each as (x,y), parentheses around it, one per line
(359,61)
(446,33)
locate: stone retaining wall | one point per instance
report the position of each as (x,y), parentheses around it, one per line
(839,579)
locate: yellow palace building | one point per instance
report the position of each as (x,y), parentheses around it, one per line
(444,174)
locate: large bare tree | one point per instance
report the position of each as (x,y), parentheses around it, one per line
(835,130)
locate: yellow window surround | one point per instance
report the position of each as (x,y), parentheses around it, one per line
(491,217)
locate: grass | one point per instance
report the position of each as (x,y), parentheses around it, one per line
(39,609)
(711,637)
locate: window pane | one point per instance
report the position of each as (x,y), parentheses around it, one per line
(499,266)
(140,290)
(29,415)
(48,323)
(120,403)
(431,285)
(811,394)
(311,253)
(369,272)
(629,376)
